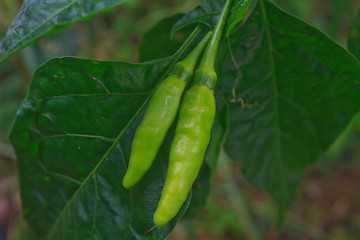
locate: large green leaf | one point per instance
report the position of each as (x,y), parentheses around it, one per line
(72,136)
(38,18)
(291,91)
(354,35)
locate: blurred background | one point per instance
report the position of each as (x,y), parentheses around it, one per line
(327,203)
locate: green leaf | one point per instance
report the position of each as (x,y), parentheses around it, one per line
(354,35)
(38,18)
(207,12)
(237,14)
(291,91)
(354,47)
(72,136)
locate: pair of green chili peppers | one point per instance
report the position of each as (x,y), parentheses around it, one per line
(192,135)
(193,129)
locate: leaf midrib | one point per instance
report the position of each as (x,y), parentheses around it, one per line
(278,145)
(97,95)
(98,165)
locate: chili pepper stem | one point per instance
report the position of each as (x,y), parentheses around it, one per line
(206,74)
(184,69)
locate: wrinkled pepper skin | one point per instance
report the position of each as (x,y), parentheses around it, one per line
(159,115)
(192,136)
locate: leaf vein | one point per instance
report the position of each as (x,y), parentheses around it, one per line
(98,165)
(78,135)
(96,95)
(278,146)
(63,176)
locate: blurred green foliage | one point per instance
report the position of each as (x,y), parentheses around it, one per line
(331,16)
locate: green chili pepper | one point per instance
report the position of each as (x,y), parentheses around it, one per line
(193,130)
(187,151)
(159,116)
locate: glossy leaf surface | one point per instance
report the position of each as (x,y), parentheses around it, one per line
(72,136)
(38,18)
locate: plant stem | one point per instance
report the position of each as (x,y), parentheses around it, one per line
(180,52)
(188,42)
(206,72)
(193,56)
(184,69)
(210,53)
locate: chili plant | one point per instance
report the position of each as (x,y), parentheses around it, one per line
(284,92)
